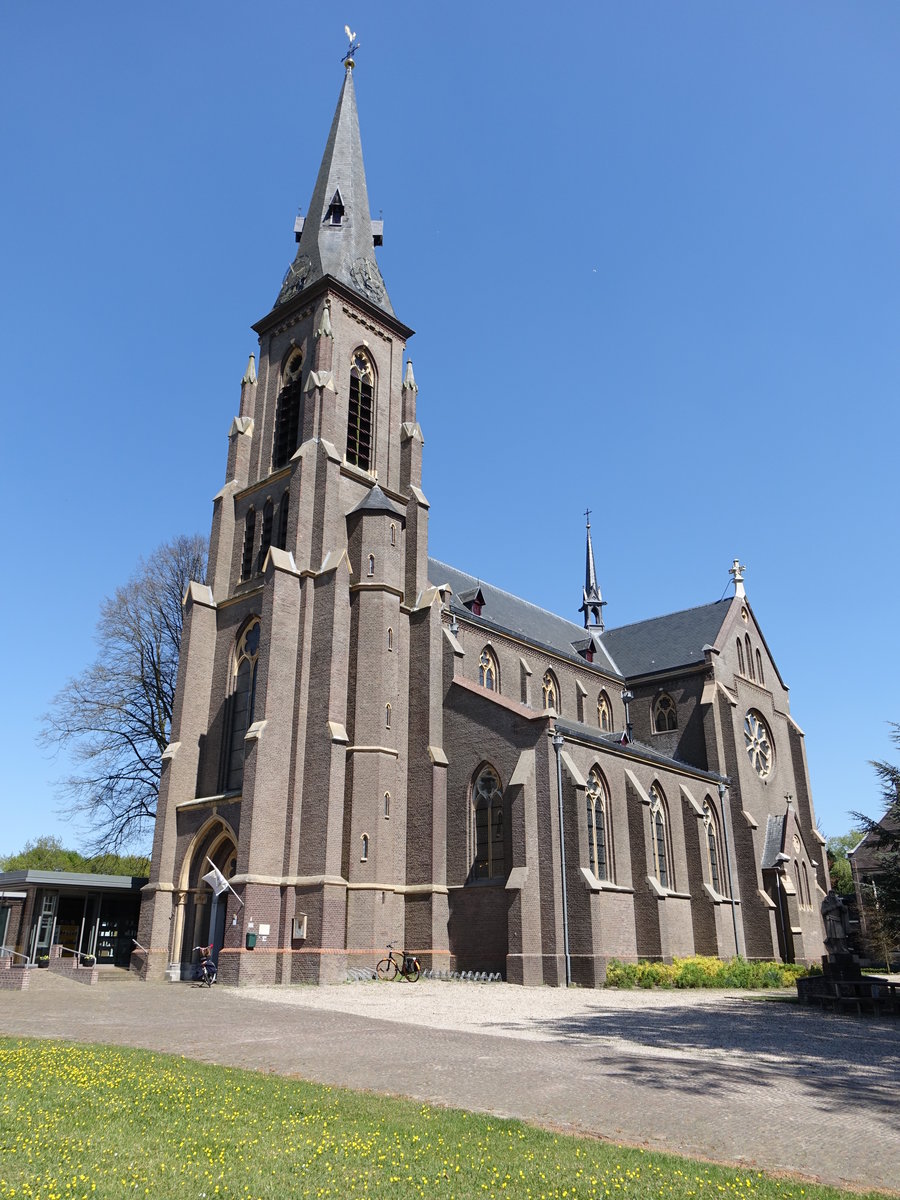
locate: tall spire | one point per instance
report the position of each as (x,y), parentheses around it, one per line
(593,602)
(338,236)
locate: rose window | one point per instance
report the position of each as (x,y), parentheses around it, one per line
(758,743)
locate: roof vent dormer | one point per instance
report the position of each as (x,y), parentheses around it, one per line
(334,213)
(473,599)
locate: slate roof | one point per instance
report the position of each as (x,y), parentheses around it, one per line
(518,617)
(664,643)
(773,842)
(632,749)
(377,502)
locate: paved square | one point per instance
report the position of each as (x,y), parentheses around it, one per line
(734,1077)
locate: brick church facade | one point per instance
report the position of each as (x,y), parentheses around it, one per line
(373,746)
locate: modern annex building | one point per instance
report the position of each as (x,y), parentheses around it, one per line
(373,746)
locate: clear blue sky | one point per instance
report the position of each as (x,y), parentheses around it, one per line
(652,253)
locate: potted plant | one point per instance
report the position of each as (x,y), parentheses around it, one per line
(43,960)
(88,960)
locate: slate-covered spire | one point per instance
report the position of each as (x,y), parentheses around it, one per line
(338,237)
(593,602)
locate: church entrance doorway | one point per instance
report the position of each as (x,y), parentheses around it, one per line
(205,913)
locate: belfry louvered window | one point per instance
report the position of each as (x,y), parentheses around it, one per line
(241,703)
(266,540)
(283,510)
(287,413)
(249,540)
(361,412)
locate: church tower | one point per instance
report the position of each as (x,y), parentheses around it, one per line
(294,755)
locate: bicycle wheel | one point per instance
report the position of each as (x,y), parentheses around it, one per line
(413,975)
(386,969)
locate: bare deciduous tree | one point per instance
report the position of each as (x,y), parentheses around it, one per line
(115,717)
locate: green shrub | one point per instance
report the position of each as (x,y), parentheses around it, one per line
(702,971)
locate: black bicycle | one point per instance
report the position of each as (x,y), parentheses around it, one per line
(206,972)
(402,965)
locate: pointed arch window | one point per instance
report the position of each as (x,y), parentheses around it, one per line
(288,411)
(387,806)
(740,654)
(599,846)
(387,716)
(665,714)
(487,803)
(809,903)
(364,848)
(550,691)
(750,674)
(488,676)
(370,570)
(393,534)
(268,522)
(249,542)
(712,846)
(361,412)
(759,670)
(390,639)
(604,713)
(241,703)
(659,836)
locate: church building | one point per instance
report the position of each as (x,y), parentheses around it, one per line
(373,746)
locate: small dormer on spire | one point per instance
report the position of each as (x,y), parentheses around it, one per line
(737,569)
(592,601)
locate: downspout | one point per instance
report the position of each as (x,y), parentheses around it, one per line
(558,743)
(726,810)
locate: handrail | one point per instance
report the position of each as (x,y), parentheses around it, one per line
(15,953)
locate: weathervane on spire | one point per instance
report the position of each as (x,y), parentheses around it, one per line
(354,46)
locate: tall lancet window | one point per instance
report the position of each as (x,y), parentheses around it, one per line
(550,691)
(604,713)
(597,798)
(241,703)
(712,846)
(487,801)
(362,411)
(658,839)
(288,411)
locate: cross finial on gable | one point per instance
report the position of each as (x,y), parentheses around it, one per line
(737,570)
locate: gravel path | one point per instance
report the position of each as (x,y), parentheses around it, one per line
(734,1077)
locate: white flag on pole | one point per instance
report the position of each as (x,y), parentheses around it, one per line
(218,882)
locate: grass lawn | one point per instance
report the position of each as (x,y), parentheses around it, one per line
(102,1122)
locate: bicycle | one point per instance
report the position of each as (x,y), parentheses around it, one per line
(402,964)
(206,972)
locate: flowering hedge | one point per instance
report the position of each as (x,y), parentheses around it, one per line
(703,972)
